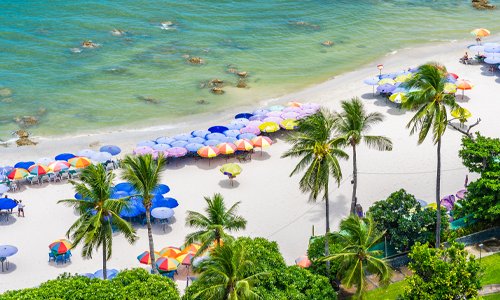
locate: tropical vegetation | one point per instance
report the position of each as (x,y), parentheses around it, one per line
(480,154)
(144,173)
(99,215)
(316,250)
(432,104)
(353,123)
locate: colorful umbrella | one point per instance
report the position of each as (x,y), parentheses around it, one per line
(191,248)
(450,88)
(226,148)
(262,142)
(463,85)
(294,104)
(386,81)
(243,145)
(208,151)
(60,246)
(403,77)
(290,115)
(269,127)
(461,113)
(398,98)
(250,129)
(185,258)
(276,108)
(18,173)
(231,169)
(79,162)
(480,32)
(289,124)
(167,264)
(38,169)
(170,252)
(142,150)
(145,258)
(303,262)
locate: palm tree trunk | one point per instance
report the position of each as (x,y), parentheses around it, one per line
(104,271)
(355,179)
(327,247)
(150,239)
(438,197)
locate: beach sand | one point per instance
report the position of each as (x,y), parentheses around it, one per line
(270,200)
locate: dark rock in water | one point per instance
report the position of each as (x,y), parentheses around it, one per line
(482,4)
(195,60)
(5,92)
(242,74)
(216,83)
(327,43)
(148,99)
(26,121)
(202,102)
(217,91)
(241,84)
(24,138)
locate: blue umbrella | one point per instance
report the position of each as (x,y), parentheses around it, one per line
(385,88)
(119,195)
(164,202)
(24,164)
(259,112)
(492,49)
(219,129)
(423,203)
(162,212)
(400,90)
(161,147)
(215,136)
(164,140)
(211,142)
(243,121)
(85,152)
(146,143)
(7,250)
(232,132)
(235,126)
(124,186)
(171,203)
(229,139)
(6,170)
(111,273)
(111,149)
(193,147)
(388,75)
(372,81)
(196,140)
(130,212)
(64,156)
(88,275)
(258,117)
(200,133)
(7,203)
(248,136)
(182,137)
(179,143)
(243,115)
(78,196)
(161,189)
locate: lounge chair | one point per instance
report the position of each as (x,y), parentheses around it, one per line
(33,179)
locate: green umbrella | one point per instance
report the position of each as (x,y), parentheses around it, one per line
(231,170)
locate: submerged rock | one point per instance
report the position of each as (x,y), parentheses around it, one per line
(23,138)
(202,101)
(195,60)
(242,74)
(118,32)
(5,92)
(241,84)
(217,90)
(26,121)
(216,82)
(89,44)
(482,4)
(327,43)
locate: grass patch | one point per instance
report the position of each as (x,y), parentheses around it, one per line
(492,297)
(389,293)
(491,265)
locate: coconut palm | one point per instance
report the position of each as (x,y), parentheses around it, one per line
(357,261)
(429,100)
(352,123)
(99,215)
(313,142)
(143,172)
(228,274)
(214,224)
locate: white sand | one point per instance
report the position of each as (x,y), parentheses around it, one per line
(270,200)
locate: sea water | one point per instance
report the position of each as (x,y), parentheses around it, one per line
(142,77)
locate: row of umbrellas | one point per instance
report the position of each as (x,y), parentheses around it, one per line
(169,258)
(491,52)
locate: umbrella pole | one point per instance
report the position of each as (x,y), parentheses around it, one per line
(373,90)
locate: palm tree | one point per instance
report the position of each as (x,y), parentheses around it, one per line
(430,101)
(213,225)
(228,274)
(313,142)
(357,236)
(99,214)
(143,172)
(352,123)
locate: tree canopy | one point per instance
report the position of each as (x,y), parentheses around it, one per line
(480,154)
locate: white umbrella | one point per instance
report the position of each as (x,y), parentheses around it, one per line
(101,156)
(162,212)
(4,188)
(85,152)
(45,161)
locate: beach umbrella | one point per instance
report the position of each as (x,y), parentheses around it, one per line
(182,137)
(261,111)
(248,136)
(403,77)
(461,113)
(257,118)
(276,113)
(492,48)
(226,148)
(45,161)
(216,136)
(167,264)
(463,85)
(7,250)
(145,257)
(200,133)
(289,124)
(243,121)
(176,152)
(480,32)
(101,157)
(124,186)
(6,170)
(294,104)
(492,60)
(252,130)
(85,152)
(243,145)
(162,212)
(398,98)
(243,116)
(185,258)
(4,188)
(276,120)
(254,123)
(229,139)
(132,210)
(193,147)
(18,173)
(111,149)
(231,169)
(60,246)
(208,152)
(211,143)
(461,194)
(450,88)
(276,108)
(196,140)
(191,248)
(79,162)
(385,88)
(269,127)
(303,261)
(219,129)
(388,76)
(170,251)
(386,81)
(292,109)
(7,203)
(310,105)
(24,164)
(164,202)
(262,142)
(476,48)
(161,189)
(143,150)
(423,203)
(373,82)
(290,115)
(110,273)
(164,140)
(237,126)
(232,132)
(161,147)
(38,169)
(179,143)
(64,156)
(115,195)
(146,143)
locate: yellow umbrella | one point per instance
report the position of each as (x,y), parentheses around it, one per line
(269,127)
(170,252)
(262,142)
(432,206)
(398,98)
(231,169)
(450,88)
(386,81)
(79,162)
(289,124)
(243,145)
(403,77)
(480,32)
(461,113)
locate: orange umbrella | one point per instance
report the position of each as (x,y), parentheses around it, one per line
(79,162)
(294,104)
(463,85)
(226,148)
(261,142)
(185,258)
(244,145)
(145,258)
(18,173)
(208,151)
(480,32)
(167,264)
(303,262)
(191,248)
(170,251)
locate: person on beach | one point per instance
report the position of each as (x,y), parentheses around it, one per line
(359,210)
(465,58)
(20,208)
(478,40)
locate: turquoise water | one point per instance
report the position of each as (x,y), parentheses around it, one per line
(107,86)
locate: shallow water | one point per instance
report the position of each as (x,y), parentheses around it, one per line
(277,42)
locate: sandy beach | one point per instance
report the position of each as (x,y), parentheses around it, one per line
(270,200)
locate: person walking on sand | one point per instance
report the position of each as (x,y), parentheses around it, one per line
(20,208)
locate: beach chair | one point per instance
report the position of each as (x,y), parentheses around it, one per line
(32,179)
(52,257)
(54,177)
(13,186)
(67,257)
(43,178)
(64,175)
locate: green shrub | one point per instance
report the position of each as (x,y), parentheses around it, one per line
(316,250)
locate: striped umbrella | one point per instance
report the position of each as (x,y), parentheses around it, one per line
(38,169)
(79,162)
(398,98)
(243,145)
(58,166)
(226,148)
(191,248)
(303,262)
(261,142)
(18,173)
(250,129)
(167,264)
(145,258)
(60,246)
(170,252)
(208,151)
(185,258)
(463,85)
(289,124)
(480,32)
(269,127)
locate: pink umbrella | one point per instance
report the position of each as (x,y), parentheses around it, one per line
(314,106)
(461,194)
(240,121)
(292,109)
(274,114)
(255,123)
(276,120)
(310,111)
(253,130)
(142,150)
(257,118)
(290,115)
(176,152)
